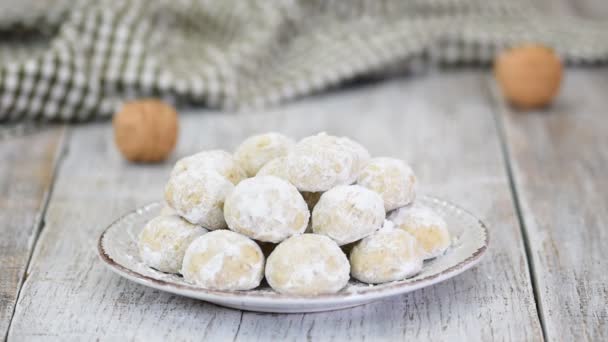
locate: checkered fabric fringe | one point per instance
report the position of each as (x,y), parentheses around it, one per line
(78,60)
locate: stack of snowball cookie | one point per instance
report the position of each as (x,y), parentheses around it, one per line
(291,212)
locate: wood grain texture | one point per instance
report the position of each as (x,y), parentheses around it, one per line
(559,162)
(26,172)
(442,124)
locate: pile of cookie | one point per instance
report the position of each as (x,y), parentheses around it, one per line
(291,213)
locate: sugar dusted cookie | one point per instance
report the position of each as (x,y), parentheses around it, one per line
(256,151)
(198,196)
(320,162)
(307,264)
(348,213)
(361,158)
(224,260)
(388,254)
(167,210)
(276,167)
(392,178)
(426,225)
(266,208)
(163,242)
(217,160)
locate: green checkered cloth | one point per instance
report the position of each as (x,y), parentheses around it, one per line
(79,60)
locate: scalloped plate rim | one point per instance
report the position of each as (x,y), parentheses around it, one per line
(276,302)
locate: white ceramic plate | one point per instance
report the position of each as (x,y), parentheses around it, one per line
(117,248)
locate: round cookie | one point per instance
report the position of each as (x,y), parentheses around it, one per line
(348,213)
(307,264)
(388,254)
(276,167)
(392,178)
(362,158)
(163,242)
(257,150)
(217,160)
(426,225)
(224,260)
(198,196)
(320,162)
(167,210)
(266,208)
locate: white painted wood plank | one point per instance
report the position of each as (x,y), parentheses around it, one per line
(70,296)
(442,124)
(559,162)
(26,172)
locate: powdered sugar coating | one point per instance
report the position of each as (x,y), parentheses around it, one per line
(427,226)
(388,254)
(163,242)
(322,161)
(216,160)
(167,210)
(266,208)
(307,264)
(362,158)
(276,167)
(224,260)
(348,213)
(258,150)
(392,178)
(198,196)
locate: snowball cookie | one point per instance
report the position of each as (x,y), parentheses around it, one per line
(163,242)
(257,150)
(307,264)
(217,160)
(199,196)
(276,167)
(388,254)
(426,225)
(362,158)
(266,208)
(320,162)
(392,178)
(348,213)
(224,260)
(167,210)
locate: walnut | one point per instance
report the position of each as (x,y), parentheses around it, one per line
(529,76)
(145,130)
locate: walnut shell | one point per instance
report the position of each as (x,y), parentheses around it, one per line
(145,130)
(529,76)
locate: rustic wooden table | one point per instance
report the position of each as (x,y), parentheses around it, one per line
(538,179)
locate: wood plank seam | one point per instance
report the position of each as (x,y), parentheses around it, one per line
(39,222)
(500,106)
(238,327)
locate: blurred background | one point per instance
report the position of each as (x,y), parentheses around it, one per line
(77,60)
